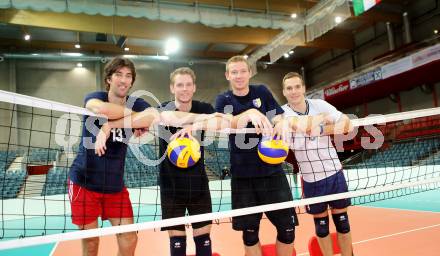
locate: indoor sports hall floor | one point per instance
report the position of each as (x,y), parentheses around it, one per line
(408,225)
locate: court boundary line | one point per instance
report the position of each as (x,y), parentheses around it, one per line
(398,233)
(387,236)
(400,209)
(53,249)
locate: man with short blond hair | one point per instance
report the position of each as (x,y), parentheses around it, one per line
(253,181)
(185,189)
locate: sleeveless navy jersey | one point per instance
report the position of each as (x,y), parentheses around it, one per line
(245,161)
(103,174)
(172,177)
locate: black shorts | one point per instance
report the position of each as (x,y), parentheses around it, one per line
(192,197)
(248,192)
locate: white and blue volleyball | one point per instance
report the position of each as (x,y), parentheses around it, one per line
(272,150)
(183,152)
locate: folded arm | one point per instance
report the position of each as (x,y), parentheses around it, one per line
(343,125)
(110,110)
(319,125)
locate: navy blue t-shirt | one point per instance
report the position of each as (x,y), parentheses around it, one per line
(103,174)
(173,178)
(245,161)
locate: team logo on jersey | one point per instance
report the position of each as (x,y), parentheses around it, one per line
(257,102)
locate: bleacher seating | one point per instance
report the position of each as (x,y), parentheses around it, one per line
(56,181)
(6,158)
(137,173)
(403,154)
(11,182)
(41,155)
(217,157)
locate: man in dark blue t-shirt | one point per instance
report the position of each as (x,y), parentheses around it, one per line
(185,189)
(255,182)
(96,185)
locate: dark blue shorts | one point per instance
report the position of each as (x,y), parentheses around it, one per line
(332,185)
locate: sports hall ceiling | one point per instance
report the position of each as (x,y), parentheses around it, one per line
(59,32)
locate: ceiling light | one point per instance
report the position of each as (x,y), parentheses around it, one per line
(77,45)
(79,65)
(293,15)
(27,37)
(72,54)
(435,31)
(338,19)
(172,45)
(126,49)
(161,57)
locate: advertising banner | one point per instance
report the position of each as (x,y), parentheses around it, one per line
(425,56)
(397,67)
(337,89)
(366,78)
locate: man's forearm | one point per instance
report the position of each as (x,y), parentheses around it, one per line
(341,127)
(142,119)
(240,121)
(110,110)
(213,124)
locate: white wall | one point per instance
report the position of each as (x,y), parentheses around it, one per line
(5,113)
(57,81)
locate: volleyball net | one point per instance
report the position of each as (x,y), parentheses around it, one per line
(385,157)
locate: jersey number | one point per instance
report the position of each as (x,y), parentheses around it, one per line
(117,135)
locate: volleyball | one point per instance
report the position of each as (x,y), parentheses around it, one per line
(272,151)
(183,152)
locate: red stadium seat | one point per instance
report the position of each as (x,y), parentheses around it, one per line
(270,250)
(315,250)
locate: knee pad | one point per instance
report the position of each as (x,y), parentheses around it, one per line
(322,226)
(250,237)
(203,245)
(341,222)
(286,235)
(178,246)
